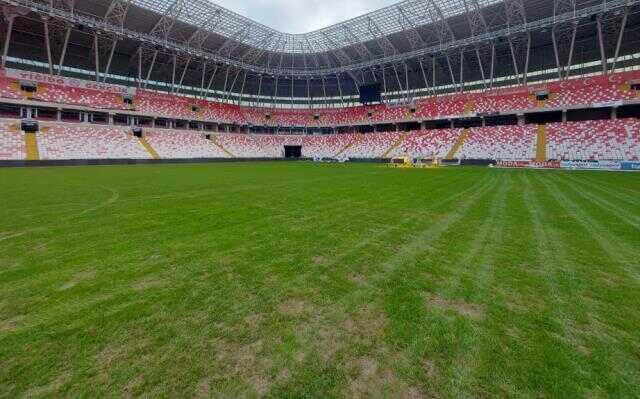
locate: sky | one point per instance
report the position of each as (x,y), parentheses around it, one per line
(302,16)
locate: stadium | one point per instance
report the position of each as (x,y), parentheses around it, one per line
(436,198)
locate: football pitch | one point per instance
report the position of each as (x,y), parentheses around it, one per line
(308,280)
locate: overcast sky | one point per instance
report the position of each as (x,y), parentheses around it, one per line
(301,16)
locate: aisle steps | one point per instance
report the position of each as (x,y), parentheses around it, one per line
(356,139)
(456,147)
(541,144)
(147,146)
(221,147)
(395,145)
(31,145)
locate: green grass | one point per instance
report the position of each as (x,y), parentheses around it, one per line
(293,280)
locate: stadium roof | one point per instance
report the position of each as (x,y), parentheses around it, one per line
(405,30)
(413,44)
(383,22)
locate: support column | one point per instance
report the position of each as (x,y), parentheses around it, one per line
(153,63)
(97,56)
(47,43)
(64,50)
(184,72)
(619,42)
(140,70)
(173,74)
(5,53)
(108,67)
(603,55)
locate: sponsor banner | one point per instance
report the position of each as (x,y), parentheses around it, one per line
(518,91)
(67,82)
(591,165)
(608,104)
(544,165)
(529,164)
(512,164)
(630,166)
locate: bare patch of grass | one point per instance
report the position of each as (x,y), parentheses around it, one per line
(148,283)
(358,279)
(368,378)
(11,324)
(294,307)
(78,278)
(203,390)
(260,385)
(319,260)
(463,308)
(253,320)
(50,388)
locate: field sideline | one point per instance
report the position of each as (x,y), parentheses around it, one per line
(295,279)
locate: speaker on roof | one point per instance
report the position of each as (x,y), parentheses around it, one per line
(29,87)
(542,95)
(29,126)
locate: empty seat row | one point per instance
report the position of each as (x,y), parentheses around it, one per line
(588,140)
(61,141)
(594,140)
(500,142)
(574,92)
(12,144)
(178,145)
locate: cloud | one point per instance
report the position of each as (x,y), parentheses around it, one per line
(301,16)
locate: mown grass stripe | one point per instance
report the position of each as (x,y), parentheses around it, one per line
(617,250)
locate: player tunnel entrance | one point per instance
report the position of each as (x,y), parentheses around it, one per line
(293,151)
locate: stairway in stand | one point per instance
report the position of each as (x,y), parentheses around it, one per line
(456,147)
(541,144)
(147,146)
(31,146)
(395,145)
(356,139)
(221,147)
